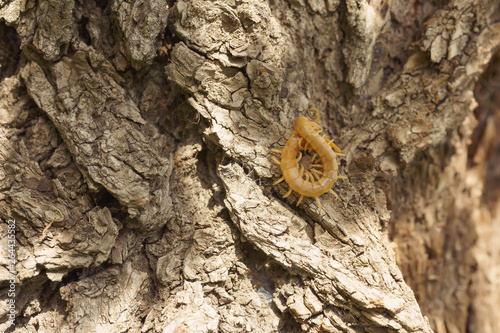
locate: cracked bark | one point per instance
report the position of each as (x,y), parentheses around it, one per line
(144,132)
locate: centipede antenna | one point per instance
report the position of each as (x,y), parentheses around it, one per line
(288,193)
(335,194)
(279,180)
(300,200)
(319,204)
(276,160)
(312,117)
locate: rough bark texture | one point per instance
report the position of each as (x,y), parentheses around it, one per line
(143,130)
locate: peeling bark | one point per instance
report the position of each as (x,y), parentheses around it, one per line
(135,146)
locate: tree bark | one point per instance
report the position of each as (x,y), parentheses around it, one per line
(135,148)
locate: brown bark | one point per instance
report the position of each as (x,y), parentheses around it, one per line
(144,132)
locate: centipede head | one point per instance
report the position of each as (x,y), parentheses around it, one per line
(303,122)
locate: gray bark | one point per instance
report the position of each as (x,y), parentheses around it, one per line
(135,151)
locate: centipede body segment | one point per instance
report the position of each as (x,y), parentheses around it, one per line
(309,182)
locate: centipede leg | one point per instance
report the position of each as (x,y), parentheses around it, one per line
(300,143)
(342,177)
(301,170)
(315,173)
(288,193)
(278,151)
(44,232)
(276,160)
(299,158)
(279,180)
(333,145)
(309,176)
(300,200)
(319,204)
(313,159)
(335,194)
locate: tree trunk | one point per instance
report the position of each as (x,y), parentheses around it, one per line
(136,162)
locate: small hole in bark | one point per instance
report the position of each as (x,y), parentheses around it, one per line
(82,30)
(9,51)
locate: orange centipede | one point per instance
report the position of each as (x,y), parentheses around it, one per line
(312,182)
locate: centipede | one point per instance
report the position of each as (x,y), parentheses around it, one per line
(311,181)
